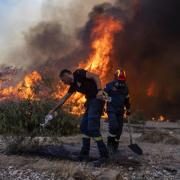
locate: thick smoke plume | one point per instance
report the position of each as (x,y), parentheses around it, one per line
(39,30)
(147,48)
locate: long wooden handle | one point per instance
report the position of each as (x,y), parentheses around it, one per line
(130,131)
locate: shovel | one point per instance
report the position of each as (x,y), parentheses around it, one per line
(134,147)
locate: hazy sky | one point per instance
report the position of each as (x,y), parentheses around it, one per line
(16,16)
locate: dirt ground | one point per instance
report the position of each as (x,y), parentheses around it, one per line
(161,159)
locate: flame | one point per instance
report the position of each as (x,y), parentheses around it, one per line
(102,44)
(24,89)
(99,60)
(161,118)
(150,89)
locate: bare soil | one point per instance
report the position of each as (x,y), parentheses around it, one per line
(161,158)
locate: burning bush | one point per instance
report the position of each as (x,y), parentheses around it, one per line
(24,118)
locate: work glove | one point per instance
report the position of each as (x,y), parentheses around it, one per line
(103,96)
(100,94)
(106,97)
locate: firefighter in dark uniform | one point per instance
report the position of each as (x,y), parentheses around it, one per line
(88,84)
(117,90)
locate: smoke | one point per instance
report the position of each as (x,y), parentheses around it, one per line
(147,48)
(36,31)
(16,17)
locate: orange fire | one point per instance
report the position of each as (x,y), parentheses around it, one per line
(150,90)
(102,38)
(24,89)
(102,45)
(99,60)
(161,118)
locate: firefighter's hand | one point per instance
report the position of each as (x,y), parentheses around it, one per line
(128,112)
(53,113)
(100,94)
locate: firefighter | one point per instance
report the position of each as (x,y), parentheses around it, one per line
(117,90)
(88,84)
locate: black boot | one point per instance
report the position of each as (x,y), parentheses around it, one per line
(84,153)
(111,144)
(104,155)
(116,144)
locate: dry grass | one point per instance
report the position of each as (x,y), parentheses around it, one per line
(157,136)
